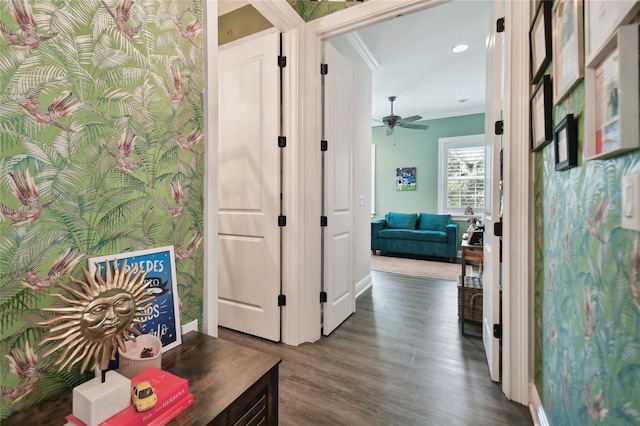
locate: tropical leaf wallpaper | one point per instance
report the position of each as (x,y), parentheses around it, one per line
(101,152)
(587,288)
(314,9)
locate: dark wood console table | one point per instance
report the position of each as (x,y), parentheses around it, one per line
(231,384)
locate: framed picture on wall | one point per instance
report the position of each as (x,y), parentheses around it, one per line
(611,114)
(406,179)
(602,18)
(565,137)
(540,40)
(540,110)
(163,315)
(568,47)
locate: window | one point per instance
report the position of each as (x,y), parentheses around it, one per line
(461,174)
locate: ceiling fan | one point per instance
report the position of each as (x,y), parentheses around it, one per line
(391,120)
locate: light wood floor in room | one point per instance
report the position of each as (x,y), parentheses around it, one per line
(399,360)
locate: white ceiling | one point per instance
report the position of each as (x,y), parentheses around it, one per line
(416,64)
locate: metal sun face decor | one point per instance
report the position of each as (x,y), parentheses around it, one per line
(100,316)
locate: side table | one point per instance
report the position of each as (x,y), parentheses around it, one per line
(473,253)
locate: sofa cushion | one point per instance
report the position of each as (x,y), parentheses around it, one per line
(405,234)
(434,222)
(401,220)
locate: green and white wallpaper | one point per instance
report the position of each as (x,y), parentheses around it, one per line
(101,152)
(587,287)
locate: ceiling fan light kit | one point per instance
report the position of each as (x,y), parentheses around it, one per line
(392,120)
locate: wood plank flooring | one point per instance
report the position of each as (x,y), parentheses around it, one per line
(399,360)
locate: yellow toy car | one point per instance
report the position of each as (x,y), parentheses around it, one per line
(143,396)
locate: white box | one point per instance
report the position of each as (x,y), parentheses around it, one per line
(94,401)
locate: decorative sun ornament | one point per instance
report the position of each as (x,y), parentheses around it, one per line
(100,317)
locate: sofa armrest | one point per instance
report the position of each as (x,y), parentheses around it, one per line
(376,225)
(453,239)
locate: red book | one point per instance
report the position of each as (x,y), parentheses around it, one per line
(173,397)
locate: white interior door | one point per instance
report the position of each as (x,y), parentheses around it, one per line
(491,292)
(248,190)
(339,100)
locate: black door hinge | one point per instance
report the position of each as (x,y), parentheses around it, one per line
(324,145)
(499,127)
(497,229)
(282,141)
(323,221)
(282,220)
(497,331)
(500,25)
(324,69)
(323,296)
(282,61)
(282,300)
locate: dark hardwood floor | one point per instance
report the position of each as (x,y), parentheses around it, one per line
(398,360)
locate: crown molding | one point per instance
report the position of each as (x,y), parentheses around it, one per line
(362,49)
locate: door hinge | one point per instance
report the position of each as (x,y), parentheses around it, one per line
(323,221)
(324,69)
(282,61)
(282,300)
(497,331)
(500,25)
(497,229)
(282,141)
(282,220)
(499,127)
(323,296)
(324,145)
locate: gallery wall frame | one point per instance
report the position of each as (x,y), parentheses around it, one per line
(601,19)
(565,142)
(541,114)
(540,40)
(611,96)
(568,46)
(163,316)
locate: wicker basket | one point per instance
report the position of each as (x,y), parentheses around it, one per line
(472,298)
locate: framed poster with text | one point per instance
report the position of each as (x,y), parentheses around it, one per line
(163,316)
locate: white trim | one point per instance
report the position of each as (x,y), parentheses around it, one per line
(445,144)
(363,50)
(516,254)
(538,415)
(363,285)
(210,285)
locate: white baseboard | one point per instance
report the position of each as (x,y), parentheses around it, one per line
(363,285)
(538,415)
(192,326)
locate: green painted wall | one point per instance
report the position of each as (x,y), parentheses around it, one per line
(587,287)
(117,166)
(240,23)
(415,148)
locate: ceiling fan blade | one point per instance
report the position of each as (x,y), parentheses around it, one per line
(410,119)
(390,131)
(414,126)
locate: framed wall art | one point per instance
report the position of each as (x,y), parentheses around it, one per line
(540,40)
(565,142)
(602,18)
(406,179)
(163,319)
(541,119)
(568,46)
(611,96)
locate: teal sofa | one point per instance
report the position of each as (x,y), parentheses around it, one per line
(416,234)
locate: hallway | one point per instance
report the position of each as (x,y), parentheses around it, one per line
(399,360)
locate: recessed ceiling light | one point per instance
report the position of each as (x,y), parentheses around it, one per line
(459,48)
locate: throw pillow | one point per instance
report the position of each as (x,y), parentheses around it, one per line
(434,222)
(401,220)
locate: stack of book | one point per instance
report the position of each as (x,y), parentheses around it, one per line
(173,398)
